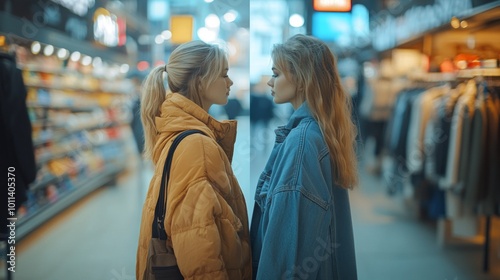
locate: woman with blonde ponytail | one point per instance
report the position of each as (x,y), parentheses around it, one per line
(206,219)
(301,225)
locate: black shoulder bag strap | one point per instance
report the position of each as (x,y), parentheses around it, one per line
(158,226)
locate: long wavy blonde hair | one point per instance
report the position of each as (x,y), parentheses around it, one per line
(190,69)
(311,66)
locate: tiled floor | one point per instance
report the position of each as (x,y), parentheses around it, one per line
(97,238)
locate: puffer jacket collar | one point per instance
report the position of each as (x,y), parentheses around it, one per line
(178,114)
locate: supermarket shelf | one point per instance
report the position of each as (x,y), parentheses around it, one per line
(59,71)
(103,125)
(70,130)
(82,188)
(55,139)
(43,122)
(55,107)
(59,87)
(45,181)
(48,157)
(39,142)
(64,71)
(69,88)
(73,114)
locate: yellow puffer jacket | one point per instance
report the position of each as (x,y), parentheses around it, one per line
(206,220)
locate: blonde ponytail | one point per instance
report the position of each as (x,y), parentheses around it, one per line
(153,95)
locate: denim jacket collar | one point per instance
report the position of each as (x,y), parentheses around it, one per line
(297,116)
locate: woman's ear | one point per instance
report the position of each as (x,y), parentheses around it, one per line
(200,85)
(300,88)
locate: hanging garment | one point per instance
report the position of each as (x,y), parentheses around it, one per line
(445,116)
(459,139)
(473,177)
(460,121)
(492,159)
(397,137)
(422,111)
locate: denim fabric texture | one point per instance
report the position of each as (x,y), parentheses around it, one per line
(301,226)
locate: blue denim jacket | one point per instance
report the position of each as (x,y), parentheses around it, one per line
(301,225)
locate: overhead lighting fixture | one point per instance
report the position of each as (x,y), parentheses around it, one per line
(36,47)
(86,60)
(230,16)
(75,56)
(62,54)
(97,61)
(206,35)
(166,35)
(159,39)
(48,50)
(296,20)
(124,68)
(455,23)
(212,21)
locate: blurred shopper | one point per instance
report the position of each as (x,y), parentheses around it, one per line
(261,109)
(301,225)
(233,108)
(17,158)
(135,122)
(261,114)
(206,217)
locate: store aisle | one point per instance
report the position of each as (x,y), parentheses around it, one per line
(97,238)
(391,243)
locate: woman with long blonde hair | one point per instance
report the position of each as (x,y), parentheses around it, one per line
(206,219)
(301,225)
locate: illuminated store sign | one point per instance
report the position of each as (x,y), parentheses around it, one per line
(332,5)
(106,29)
(181,27)
(343,28)
(392,30)
(333,27)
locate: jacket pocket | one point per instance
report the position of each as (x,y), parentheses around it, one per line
(262,189)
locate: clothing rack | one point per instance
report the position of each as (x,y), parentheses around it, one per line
(482,75)
(428,80)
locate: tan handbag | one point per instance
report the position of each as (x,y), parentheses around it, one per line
(161,263)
